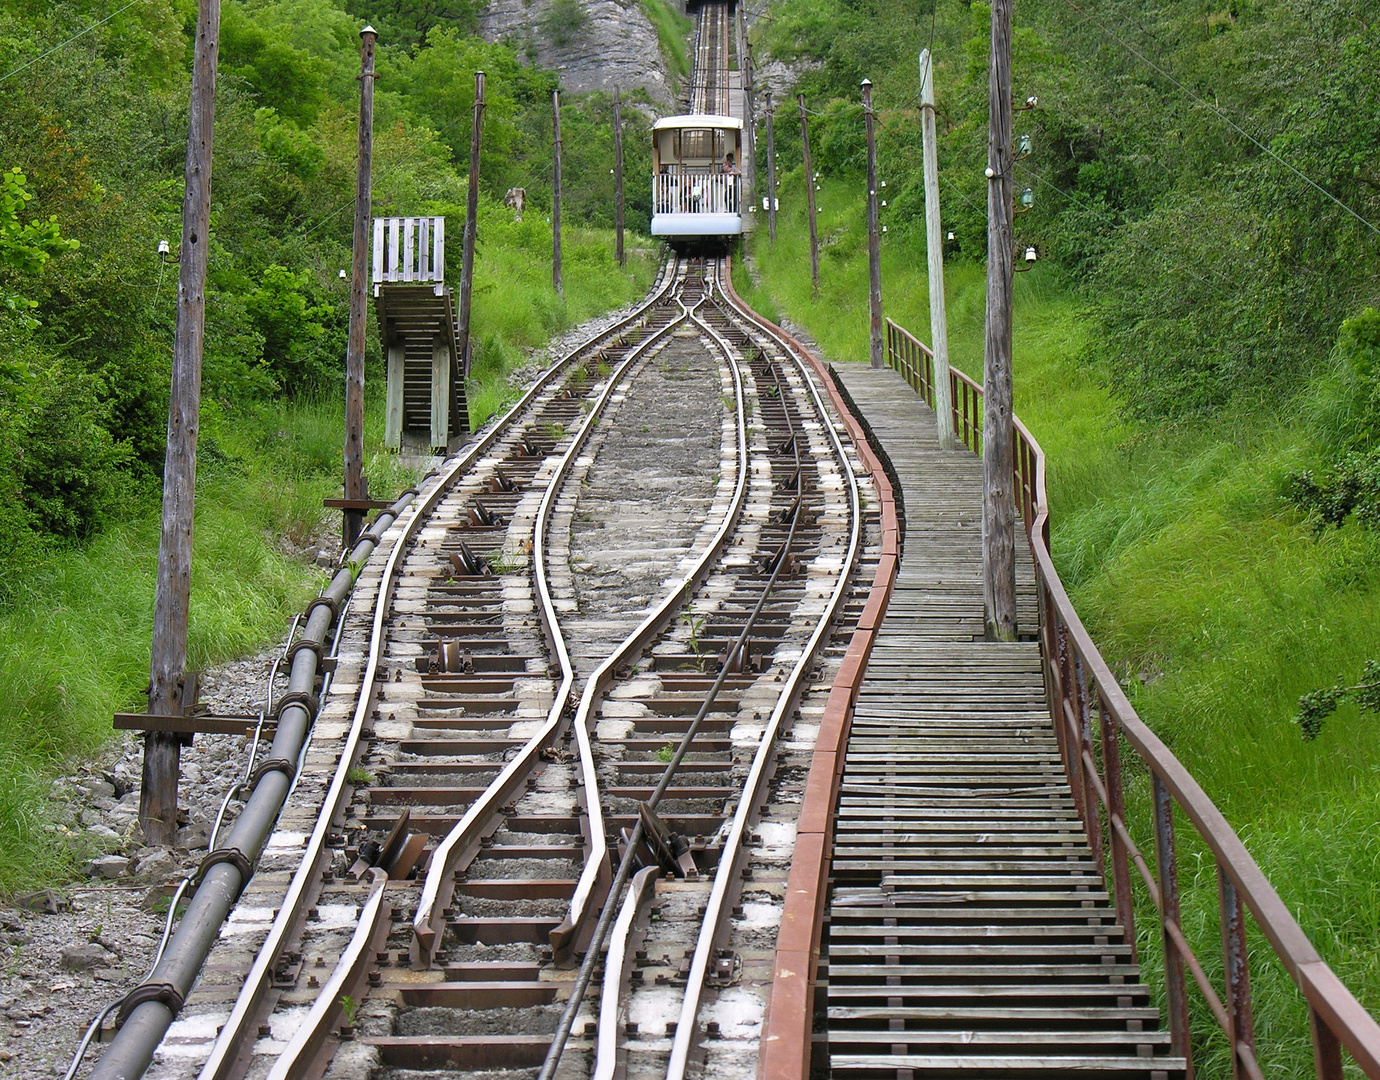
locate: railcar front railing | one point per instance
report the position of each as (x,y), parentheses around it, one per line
(696,193)
(1092,718)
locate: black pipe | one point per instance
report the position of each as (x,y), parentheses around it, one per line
(156,1002)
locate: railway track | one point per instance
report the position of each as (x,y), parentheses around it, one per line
(510,727)
(709,89)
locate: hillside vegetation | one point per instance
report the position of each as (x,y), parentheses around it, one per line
(1197,354)
(92,146)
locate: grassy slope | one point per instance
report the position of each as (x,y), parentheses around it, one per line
(1217,605)
(672,28)
(76,650)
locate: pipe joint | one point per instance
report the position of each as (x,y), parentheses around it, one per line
(236,858)
(300,644)
(327,601)
(163,993)
(305,698)
(282,765)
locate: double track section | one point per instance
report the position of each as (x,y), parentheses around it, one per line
(500,760)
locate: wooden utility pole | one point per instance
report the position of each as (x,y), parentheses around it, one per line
(618,177)
(556,197)
(355,487)
(874,237)
(467,251)
(771,172)
(939,325)
(172,595)
(809,193)
(748,151)
(998,502)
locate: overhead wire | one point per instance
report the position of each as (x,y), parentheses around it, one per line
(1217,111)
(64,44)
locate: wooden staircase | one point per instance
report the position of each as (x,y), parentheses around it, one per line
(427,408)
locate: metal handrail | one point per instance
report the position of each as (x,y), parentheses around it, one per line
(1080,685)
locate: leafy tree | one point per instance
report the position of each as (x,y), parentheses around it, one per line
(407,23)
(24,249)
(1317,706)
(296,345)
(276,73)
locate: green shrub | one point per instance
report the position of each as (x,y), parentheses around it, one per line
(564,21)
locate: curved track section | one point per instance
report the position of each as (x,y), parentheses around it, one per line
(475,787)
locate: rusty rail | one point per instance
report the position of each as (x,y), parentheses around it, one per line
(1092,717)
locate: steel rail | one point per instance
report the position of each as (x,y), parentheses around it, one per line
(726,873)
(615,974)
(307,1040)
(233,1035)
(426,924)
(227,870)
(603,926)
(625,865)
(571,929)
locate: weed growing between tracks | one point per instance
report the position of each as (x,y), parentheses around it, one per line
(1208,594)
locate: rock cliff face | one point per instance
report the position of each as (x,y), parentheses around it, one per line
(594,44)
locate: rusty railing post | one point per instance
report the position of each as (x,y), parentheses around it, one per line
(1327,1051)
(1176,988)
(1092,810)
(1116,807)
(1237,973)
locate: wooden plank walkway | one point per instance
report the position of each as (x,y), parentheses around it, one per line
(969,931)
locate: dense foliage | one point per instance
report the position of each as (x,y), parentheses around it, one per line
(92,145)
(1206,172)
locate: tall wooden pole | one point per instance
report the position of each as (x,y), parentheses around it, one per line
(556,197)
(939,325)
(471,232)
(874,237)
(771,172)
(618,177)
(172,595)
(355,487)
(747,153)
(809,193)
(998,502)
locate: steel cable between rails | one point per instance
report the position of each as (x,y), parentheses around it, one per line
(466,831)
(220,1062)
(625,866)
(687,1025)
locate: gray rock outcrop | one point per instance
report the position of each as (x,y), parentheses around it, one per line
(614,45)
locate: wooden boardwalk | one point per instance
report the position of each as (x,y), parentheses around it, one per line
(969,930)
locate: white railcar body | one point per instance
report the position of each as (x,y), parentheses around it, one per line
(697,187)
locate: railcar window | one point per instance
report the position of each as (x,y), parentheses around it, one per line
(701,143)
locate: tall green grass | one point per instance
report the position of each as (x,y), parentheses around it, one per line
(516,309)
(1215,604)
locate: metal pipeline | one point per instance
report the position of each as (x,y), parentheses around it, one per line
(150,1008)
